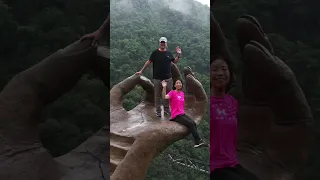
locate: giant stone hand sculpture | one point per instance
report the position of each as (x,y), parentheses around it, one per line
(275,121)
(22,155)
(137,136)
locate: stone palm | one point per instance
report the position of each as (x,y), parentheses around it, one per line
(275,121)
(137,136)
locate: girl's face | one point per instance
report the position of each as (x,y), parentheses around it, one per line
(220,75)
(178,85)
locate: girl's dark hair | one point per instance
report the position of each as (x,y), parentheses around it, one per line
(230,66)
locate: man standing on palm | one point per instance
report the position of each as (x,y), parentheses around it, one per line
(161,59)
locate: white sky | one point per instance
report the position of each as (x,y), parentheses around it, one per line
(207,2)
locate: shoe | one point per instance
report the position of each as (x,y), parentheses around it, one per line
(201,144)
(158,114)
(167,113)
